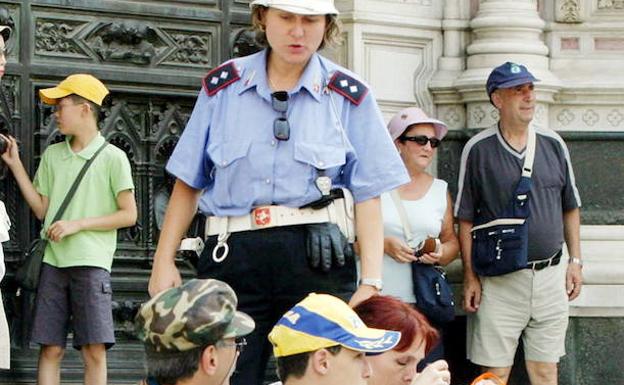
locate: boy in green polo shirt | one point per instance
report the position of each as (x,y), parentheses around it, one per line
(75,284)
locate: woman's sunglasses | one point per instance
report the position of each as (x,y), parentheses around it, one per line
(421,140)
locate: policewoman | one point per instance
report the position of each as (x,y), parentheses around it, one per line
(283,150)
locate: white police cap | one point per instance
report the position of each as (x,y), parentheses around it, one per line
(302,7)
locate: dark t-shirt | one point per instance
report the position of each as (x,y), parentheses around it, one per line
(490,170)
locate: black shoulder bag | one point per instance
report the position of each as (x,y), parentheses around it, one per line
(500,245)
(434,296)
(27,275)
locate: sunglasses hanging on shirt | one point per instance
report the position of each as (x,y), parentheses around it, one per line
(281,127)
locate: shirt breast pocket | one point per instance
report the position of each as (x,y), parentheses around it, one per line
(311,156)
(230,161)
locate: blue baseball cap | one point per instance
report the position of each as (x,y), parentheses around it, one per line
(508,75)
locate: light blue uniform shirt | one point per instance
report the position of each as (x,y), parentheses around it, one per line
(228,150)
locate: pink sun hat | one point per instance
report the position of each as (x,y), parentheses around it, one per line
(414,115)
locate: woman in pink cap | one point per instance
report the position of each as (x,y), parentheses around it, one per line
(426,203)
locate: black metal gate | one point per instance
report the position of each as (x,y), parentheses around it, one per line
(151,54)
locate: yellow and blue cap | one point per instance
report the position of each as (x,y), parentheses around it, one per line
(321,321)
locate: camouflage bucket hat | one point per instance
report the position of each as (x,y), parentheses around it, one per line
(198,313)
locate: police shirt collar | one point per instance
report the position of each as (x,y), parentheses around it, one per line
(87,152)
(256,76)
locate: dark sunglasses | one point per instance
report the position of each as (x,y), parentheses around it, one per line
(421,140)
(281,127)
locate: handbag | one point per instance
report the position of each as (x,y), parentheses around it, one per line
(434,296)
(500,245)
(27,275)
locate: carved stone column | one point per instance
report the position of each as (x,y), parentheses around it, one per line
(450,107)
(505,30)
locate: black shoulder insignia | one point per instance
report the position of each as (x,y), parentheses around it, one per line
(220,77)
(350,88)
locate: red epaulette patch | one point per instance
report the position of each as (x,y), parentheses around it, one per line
(350,88)
(220,77)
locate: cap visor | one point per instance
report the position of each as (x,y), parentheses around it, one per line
(362,339)
(518,82)
(51,95)
(241,325)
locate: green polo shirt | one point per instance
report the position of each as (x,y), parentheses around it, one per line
(96,196)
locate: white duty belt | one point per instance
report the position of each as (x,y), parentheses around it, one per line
(340,211)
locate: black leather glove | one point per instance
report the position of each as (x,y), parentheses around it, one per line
(327,244)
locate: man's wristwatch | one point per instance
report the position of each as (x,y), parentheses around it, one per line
(576,260)
(374,282)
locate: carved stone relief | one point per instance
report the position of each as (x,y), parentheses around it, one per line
(610,4)
(453,115)
(584,118)
(568,11)
(481,115)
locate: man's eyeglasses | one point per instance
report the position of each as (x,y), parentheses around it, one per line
(239,344)
(281,127)
(421,140)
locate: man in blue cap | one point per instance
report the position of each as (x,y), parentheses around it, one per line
(530,301)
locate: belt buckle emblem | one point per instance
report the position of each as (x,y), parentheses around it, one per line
(262,216)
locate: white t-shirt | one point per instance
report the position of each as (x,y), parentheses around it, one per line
(425,216)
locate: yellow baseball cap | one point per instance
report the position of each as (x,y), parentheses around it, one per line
(321,321)
(83,85)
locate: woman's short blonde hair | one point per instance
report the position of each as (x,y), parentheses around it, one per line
(333,28)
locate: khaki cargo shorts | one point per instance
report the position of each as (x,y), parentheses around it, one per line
(527,304)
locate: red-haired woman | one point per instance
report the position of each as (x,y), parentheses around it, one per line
(398,366)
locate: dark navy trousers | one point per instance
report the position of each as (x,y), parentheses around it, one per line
(269,271)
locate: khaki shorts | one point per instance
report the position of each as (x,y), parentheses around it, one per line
(528,304)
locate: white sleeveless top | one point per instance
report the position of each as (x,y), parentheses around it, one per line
(5,225)
(425,216)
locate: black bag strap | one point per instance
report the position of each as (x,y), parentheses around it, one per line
(74,186)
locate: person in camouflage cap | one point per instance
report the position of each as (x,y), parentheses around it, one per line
(190,332)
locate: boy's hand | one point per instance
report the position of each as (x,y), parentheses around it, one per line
(11,155)
(61,229)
